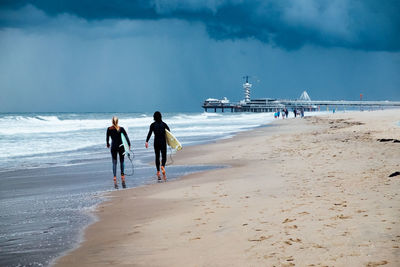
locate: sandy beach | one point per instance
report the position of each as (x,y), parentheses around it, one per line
(301,192)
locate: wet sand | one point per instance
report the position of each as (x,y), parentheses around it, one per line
(303,192)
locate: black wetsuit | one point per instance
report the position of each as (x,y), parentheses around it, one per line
(116,147)
(160,143)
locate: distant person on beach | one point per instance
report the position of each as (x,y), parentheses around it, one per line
(286,112)
(302,113)
(295,113)
(160,143)
(114,132)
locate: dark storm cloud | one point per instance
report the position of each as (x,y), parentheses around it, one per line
(290,24)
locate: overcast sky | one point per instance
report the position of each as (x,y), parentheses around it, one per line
(170,55)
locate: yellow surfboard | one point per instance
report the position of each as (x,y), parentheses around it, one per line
(172,141)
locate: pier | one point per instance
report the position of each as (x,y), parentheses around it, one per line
(271,106)
(303,103)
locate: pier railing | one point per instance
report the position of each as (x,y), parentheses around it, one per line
(342,103)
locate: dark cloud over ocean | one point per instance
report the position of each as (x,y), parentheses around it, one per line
(368,25)
(170,55)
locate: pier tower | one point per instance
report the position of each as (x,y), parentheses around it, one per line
(247,87)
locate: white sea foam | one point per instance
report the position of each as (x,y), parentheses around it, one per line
(52,124)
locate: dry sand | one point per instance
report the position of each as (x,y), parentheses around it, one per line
(303,192)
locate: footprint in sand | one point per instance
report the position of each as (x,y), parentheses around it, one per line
(133,233)
(269,256)
(288,220)
(185,233)
(289,264)
(341,216)
(376,263)
(261,238)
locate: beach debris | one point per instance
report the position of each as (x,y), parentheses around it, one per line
(389,140)
(394,174)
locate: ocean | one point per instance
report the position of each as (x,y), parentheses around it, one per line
(55,169)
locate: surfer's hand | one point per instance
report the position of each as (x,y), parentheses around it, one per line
(146,145)
(108,145)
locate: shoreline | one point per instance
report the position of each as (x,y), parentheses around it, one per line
(110,195)
(158,215)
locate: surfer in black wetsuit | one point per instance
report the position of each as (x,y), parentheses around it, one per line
(160,143)
(114,132)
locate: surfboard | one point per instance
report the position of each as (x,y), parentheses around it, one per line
(172,141)
(125,144)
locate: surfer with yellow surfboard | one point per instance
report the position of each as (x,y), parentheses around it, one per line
(162,136)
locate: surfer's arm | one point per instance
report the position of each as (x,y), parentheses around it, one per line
(108,137)
(149,135)
(166,126)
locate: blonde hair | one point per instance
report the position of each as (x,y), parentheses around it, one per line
(115,122)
